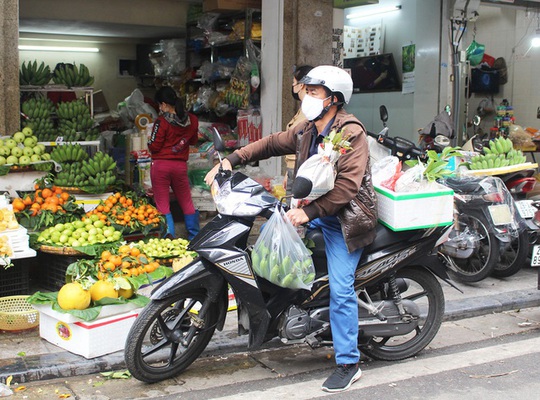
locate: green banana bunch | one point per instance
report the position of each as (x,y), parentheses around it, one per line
(71,176)
(101,162)
(69,153)
(38,116)
(31,74)
(75,121)
(72,76)
(499,153)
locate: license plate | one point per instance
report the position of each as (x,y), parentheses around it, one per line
(500,214)
(526,209)
(535,256)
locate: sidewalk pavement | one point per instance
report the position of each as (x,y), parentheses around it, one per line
(43,360)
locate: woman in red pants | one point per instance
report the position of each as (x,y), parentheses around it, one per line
(174,130)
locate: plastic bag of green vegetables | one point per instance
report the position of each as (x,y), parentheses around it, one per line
(280,256)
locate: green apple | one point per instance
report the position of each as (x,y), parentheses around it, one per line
(12,160)
(19,137)
(10,143)
(24,160)
(37,149)
(35,158)
(27,151)
(30,141)
(45,156)
(27,131)
(2,160)
(5,151)
(16,151)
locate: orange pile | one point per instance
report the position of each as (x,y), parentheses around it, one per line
(128,262)
(127,210)
(51,199)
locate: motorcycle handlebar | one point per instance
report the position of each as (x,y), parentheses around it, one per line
(400,147)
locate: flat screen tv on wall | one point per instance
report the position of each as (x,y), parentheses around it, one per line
(376,73)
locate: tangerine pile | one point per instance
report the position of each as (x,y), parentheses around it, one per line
(129,261)
(51,199)
(128,210)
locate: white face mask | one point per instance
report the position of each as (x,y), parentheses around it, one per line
(312,107)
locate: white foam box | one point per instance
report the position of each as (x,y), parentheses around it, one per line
(104,335)
(415,210)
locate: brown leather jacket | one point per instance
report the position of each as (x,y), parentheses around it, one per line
(352,199)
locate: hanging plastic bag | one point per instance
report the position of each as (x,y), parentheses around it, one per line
(321,172)
(475,53)
(280,256)
(320,168)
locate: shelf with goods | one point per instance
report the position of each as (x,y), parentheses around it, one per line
(88,92)
(221,86)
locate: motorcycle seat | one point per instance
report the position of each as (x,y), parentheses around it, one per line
(462,185)
(385,238)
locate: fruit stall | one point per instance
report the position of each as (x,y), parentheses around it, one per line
(77,241)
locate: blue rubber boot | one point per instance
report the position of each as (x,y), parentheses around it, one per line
(192,224)
(170,225)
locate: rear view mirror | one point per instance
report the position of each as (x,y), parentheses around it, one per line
(301,187)
(383,113)
(218,142)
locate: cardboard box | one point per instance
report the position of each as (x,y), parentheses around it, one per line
(415,210)
(107,334)
(230,5)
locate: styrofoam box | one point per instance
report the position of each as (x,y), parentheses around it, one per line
(106,334)
(415,210)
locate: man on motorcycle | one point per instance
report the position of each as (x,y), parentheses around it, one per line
(346,214)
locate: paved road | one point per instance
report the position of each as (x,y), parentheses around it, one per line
(493,356)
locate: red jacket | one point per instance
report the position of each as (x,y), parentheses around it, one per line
(170,141)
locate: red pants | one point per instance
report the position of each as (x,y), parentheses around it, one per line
(171,173)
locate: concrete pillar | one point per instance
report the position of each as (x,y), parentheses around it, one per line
(307,39)
(9,67)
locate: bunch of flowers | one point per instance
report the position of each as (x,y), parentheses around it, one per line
(335,144)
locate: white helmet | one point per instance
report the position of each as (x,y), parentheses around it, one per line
(333,78)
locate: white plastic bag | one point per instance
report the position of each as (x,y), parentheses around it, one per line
(280,256)
(384,169)
(321,172)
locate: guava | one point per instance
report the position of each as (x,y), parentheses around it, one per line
(19,137)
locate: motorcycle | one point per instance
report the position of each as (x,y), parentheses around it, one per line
(400,300)
(474,247)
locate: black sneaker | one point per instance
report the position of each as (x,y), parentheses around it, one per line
(342,378)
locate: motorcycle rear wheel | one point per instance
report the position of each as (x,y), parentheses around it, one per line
(484,259)
(158,345)
(425,290)
(513,256)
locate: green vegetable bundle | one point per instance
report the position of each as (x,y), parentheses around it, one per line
(280,256)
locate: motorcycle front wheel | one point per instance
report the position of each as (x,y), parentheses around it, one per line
(483,260)
(169,335)
(425,290)
(513,256)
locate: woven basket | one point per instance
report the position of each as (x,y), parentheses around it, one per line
(16,314)
(67,251)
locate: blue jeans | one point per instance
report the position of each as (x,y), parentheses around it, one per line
(343,300)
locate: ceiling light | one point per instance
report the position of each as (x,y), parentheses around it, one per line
(535,41)
(59,48)
(368,11)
